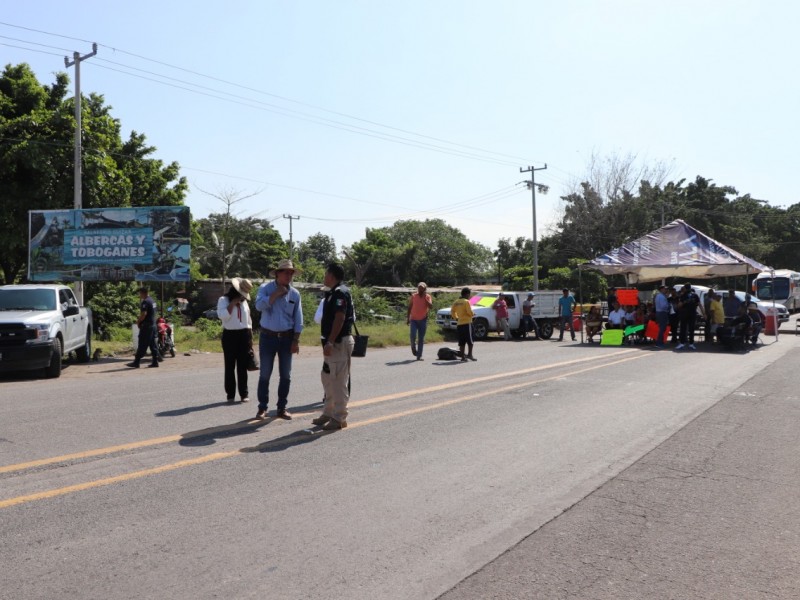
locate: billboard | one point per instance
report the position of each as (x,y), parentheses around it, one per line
(147,243)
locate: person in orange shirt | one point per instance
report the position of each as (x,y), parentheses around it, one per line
(417,317)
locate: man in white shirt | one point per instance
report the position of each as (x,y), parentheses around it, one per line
(616,317)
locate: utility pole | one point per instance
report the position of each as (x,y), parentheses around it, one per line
(291,243)
(76,60)
(532,186)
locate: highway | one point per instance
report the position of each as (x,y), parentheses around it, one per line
(117,483)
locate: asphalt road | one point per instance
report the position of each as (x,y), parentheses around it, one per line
(143,484)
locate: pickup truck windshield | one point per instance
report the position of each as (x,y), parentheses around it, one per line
(27,300)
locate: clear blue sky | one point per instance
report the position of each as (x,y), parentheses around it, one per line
(291,100)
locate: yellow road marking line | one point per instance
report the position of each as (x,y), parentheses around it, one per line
(464,382)
(110,480)
(508,388)
(89,453)
(222,428)
(222,455)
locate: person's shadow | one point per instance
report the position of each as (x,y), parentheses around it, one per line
(297,438)
(190,409)
(210,435)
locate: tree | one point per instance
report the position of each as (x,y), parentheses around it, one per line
(319,247)
(37,127)
(318,251)
(412,251)
(230,246)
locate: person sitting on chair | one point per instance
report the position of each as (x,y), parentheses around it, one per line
(742,322)
(594,322)
(616,317)
(757,325)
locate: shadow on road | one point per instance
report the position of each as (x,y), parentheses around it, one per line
(209,436)
(288,441)
(190,409)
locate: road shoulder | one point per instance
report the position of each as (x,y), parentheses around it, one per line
(713,512)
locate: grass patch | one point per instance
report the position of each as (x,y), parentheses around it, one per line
(206,337)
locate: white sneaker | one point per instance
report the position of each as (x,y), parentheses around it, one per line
(692,347)
(679,347)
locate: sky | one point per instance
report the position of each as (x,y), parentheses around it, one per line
(354,114)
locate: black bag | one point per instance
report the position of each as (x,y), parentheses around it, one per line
(448,354)
(360,346)
(252,363)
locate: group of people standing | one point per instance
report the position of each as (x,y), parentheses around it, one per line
(281,324)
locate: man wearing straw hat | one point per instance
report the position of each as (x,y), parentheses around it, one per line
(281,325)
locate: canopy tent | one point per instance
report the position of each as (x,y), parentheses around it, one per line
(675,250)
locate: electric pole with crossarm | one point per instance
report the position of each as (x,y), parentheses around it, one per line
(532,185)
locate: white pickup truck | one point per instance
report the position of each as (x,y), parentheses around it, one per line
(38,325)
(545,313)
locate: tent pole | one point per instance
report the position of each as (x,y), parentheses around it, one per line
(580,299)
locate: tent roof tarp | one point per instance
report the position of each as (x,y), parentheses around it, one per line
(675,250)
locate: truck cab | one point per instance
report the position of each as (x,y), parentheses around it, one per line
(38,325)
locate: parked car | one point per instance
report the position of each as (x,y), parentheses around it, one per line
(702,291)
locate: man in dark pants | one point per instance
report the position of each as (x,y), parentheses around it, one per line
(688,301)
(147,329)
(662,314)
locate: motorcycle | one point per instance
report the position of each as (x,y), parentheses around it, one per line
(164,340)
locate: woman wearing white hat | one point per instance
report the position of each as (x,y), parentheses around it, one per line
(237,336)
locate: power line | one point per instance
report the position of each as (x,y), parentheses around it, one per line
(388,137)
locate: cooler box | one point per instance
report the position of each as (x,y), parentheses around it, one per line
(771,323)
(651,331)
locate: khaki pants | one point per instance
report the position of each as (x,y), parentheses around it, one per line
(335,377)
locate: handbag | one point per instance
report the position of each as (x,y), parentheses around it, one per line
(252,363)
(360,346)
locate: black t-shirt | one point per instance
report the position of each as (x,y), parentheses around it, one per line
(689,303)
(148,306)
(337,300)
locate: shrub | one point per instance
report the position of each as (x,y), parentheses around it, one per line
(113,305)
(211,328)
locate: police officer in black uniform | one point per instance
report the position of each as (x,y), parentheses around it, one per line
(147,329)
(337,347)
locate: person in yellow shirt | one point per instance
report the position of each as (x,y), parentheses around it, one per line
(716,313)
(461,311)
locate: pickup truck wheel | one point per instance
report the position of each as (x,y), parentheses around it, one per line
(480,329)
(84,353)
(53,370)
(545,329)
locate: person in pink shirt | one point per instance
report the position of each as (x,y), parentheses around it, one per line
(417,318)
(500,307)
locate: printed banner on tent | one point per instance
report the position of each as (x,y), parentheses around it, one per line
(109,244)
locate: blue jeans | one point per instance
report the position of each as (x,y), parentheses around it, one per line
(418,329)
(268,347)
(567,320)
(662,318)
(530,325)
